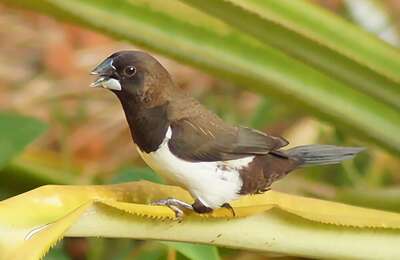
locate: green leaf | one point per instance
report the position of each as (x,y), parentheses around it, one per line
(383,198)
(319,38)
(195,251)
(16,132)
(263,114)
(152,254)
(56,253)
(190,36)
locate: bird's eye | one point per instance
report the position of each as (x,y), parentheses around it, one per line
(129,71)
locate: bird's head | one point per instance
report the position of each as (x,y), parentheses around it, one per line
(132,73)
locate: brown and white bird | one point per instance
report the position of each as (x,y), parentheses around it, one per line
(188,144)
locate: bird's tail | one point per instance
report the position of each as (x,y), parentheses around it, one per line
(317,154)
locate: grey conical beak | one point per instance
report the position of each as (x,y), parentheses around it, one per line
(105,70)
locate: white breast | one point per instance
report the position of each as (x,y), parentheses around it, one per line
(213,183)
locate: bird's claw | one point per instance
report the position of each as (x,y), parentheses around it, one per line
(176,205)
(229,207)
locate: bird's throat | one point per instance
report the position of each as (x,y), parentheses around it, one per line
(148,125)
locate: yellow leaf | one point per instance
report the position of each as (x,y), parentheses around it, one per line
(34,221)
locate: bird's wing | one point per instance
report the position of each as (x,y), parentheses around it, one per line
(208,138)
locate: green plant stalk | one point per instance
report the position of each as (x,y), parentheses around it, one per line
(384,199)
(230,54)
(319,38)
(34,174)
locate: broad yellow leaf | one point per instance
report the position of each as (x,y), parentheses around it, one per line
(34,221)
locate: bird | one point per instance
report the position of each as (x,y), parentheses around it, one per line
(188,144)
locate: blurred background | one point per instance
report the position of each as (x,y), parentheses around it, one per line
(44,66)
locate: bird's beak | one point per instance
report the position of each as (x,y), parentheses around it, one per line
(105,71)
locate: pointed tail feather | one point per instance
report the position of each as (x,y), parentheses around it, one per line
(317,154)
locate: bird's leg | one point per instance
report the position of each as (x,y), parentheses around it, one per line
(176,205)
(229,207)
(200,208)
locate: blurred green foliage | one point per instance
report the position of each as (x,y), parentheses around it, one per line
(250,59)
(17,132)
(194,251)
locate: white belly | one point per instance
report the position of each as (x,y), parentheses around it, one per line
(213,183)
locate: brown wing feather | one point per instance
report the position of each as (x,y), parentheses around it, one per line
(202,136)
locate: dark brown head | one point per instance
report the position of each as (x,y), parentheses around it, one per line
(144,89)
(132,75)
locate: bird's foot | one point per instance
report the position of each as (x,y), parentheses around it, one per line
(229,207)
(176,205)
(179,206)
(200,208)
